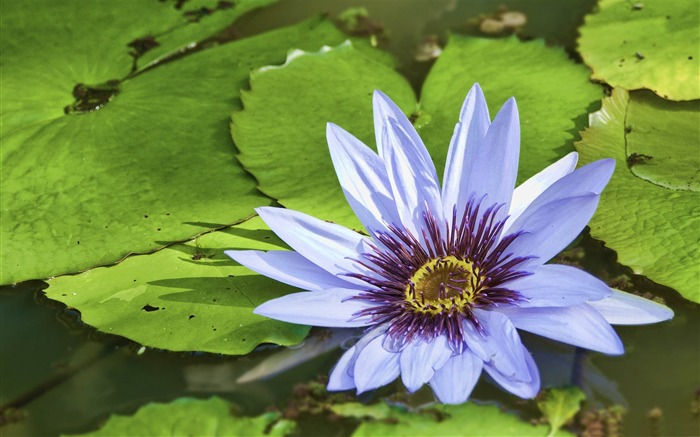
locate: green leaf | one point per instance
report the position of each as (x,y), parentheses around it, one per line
(281,133)
(186,297)
(440,420)
(281,130)
(152,166)
(645,44)
(192,417)
(650,211)
(553,95)
(559,405)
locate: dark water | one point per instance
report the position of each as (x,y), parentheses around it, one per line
(68,379)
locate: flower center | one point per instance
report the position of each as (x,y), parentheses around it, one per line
(443,284)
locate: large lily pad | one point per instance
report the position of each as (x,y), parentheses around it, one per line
(190,417)
(281,130)
(650,211)
(152,166)
(645,44)
(441,420)
(187,297)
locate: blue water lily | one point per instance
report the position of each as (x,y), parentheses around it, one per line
(447,274)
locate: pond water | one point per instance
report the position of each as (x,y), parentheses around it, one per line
(62,377)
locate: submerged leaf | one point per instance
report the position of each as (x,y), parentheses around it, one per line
(186,297)
(650,211)
(559,405)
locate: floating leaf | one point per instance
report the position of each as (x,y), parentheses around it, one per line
(281,130)
(650,211)
(186,297)
(192,417)
(441,420)
(645,44)
(154,165)
(559,405)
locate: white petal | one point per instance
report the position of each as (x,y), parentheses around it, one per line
(555,285)
(468,136)
(578,325)
(419,359)
(627,309)
(375,366)
(330,246)
(528,191)
(494,166)
(362,174)
(550,228)
(525,389)
(454,382)
(340,378)
(288,267)
(332,308)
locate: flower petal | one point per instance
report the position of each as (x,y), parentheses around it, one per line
(413,178)
(419,359)
(550,228)
(454,382)
(528,191)
(627,309)
(375,366)
(288,267)
(385,109)
(328,245)
(340,378)
(362,175)
(555,285)
(468,136)
(332,308)
(493,167)
(578,325)
(499,344)
(525,389)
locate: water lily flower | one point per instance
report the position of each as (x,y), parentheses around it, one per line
(448,274)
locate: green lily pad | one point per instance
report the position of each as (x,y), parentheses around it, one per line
(559,405)
(650,211)
(186,297)
(154,165)
(645,44)
(190,417)
(440,420)
(281,130)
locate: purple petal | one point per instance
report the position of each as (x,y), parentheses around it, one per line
(413,178)
(454,382)
(525,389)
(340,378)
(384,109)
(528,191)
(466,140)
(362,174)
(331,247)
(332,308)
(627,309)
(375,366)
(554,285)
(550,228)
(419,359)
(498,345)
(288,267)
(578,325)
(494,165)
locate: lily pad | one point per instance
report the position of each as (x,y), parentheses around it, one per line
(155,164)
(645,44)
(188,416)
(186,297)
(650,211)
(281,130)
(441,420)
(559,405)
